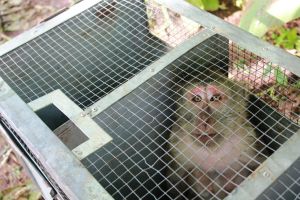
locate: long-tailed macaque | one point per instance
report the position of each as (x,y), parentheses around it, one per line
(212,144)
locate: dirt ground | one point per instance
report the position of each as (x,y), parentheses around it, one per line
(14,181)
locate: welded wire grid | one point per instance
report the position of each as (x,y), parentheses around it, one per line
(25,148)
(87,56)
(137,164)
(168,25)
(98,50)
(273,83)
(286,187)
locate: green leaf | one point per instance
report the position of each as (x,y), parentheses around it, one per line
(271,92)
(291,39)
(287,38)
(274,36)
(280,38)
(267,70)
(239,3)
(292,35)
(223,6)
(280,77)
(297,84)
(297,45)
(210,5)
(197,3)
(34,195)
(240,64)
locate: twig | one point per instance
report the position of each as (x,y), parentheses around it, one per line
(4,36)
(5,157)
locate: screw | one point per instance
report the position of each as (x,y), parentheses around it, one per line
(95,109)
(266,174)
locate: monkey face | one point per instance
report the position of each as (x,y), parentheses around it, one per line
(209,111)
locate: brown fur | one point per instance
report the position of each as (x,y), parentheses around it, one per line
(204,169)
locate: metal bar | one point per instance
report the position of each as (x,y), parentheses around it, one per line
(268,171)
(236,34)
(36,175)
(97,136)
(147,73)
(65,169)
(46,26)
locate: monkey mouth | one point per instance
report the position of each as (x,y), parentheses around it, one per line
(204,137)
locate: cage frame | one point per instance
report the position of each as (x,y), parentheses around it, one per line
(19,116)
(61,163)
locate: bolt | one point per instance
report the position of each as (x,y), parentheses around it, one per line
(82,114)
(266,174)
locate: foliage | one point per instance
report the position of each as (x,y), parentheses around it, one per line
(213,5)
(239,3)
(272,13)
(240,64)
(281,78)
(279,74)
(209,5)
(297,84)
(20,192)
(287,38)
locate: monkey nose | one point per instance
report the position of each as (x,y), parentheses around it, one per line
(203,126)
(205,123)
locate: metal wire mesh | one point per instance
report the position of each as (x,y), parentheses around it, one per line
(150,157)
(24,148)
(286,187)
(135,164)
(87,56)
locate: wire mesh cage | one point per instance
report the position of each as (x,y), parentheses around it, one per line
(197,110)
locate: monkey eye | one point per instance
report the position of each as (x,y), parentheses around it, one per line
(197,98)
(216,97)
